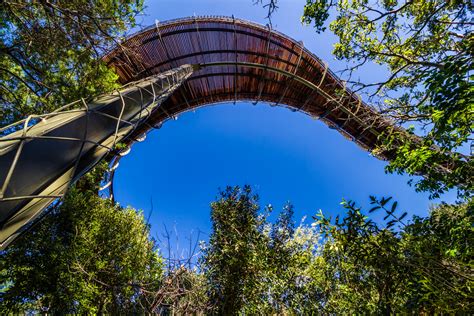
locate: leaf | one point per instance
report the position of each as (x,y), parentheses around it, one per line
(403,216)
(385,201)
(394,207)
(373,209)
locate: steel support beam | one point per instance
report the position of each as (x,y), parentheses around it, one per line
(43,155)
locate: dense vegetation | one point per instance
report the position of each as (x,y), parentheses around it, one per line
(50,52)
(352,265)
(91,257)
(86,256)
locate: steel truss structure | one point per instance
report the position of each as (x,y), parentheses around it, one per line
(244,61)
(44,154)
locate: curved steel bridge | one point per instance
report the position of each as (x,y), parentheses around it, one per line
(167,69)
(244,61)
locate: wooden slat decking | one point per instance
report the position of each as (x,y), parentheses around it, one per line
(234,47)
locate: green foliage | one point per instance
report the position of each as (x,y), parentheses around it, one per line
(255,267)
(233,259)
(50,52)
(441,245)
(86,256)
(347,266)
(422,267)
(90,256)
(427,48)
(291,251)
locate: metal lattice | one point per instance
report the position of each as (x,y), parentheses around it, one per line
(42,155)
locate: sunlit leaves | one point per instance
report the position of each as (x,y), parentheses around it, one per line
(50,52)
(426,47)
(254,266)
(421,267)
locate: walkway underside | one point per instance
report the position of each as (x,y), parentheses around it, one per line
(44,154)
(244,61)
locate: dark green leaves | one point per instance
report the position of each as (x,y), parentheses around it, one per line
(404,214)
(423,267)
(50,52)
(70,261)
(384,201)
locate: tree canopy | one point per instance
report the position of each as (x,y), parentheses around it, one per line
(342,266)
(50,52)
(86,256)
(91,257)
(427,49)
(418,266)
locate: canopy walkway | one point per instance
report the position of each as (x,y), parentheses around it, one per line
(244,61)
(167,69)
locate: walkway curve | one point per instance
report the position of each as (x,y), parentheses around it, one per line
(244,61)
(185,64)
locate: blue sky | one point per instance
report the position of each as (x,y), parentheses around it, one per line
(282,155)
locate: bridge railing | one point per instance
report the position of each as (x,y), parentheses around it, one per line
(43,155)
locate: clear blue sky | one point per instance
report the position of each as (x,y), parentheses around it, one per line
(282,155)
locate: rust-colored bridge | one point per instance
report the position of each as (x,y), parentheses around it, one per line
(244,61)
